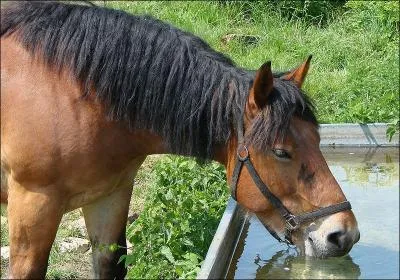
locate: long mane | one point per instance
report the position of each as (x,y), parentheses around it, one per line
(149,74)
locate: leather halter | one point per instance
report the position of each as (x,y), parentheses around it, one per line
(292,222)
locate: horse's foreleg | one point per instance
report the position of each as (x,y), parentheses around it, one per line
(34,215)
(106,224)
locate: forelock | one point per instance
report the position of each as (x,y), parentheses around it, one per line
(272,123)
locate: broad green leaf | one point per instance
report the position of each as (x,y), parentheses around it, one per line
(166,251)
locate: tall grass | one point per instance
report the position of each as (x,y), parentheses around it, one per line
(355,69)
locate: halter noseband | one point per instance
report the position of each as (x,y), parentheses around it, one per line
(292,222)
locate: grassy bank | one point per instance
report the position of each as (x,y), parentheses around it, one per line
(355,68)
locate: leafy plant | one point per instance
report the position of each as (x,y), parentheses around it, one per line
(172,235)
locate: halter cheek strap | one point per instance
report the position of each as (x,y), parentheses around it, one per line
(292,222)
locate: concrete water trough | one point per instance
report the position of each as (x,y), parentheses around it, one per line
(337,140)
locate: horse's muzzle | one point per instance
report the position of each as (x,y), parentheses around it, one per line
(331,239)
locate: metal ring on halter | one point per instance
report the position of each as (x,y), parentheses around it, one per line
(242,148)
(291,223)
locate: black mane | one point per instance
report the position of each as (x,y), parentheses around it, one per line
(150,74)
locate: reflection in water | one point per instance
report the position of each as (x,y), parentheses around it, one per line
(381,174)
(287,265)
(370,153)
(364,167)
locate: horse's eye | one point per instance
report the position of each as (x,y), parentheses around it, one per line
(280,153)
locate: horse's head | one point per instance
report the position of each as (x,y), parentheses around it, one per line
(277,170)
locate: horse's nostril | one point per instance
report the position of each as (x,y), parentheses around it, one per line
(337,238)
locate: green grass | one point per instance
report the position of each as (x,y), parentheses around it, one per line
(140,186)
(4,227)
(68,265)
(355,68)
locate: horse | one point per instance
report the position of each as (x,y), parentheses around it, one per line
(88,92)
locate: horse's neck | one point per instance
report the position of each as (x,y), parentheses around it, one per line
(221,154)
(149,143)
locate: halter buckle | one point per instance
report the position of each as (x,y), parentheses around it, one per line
(292,223)
(242,152)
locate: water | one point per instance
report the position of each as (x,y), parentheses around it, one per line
(370,179)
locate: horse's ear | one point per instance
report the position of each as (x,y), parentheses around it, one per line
(262,86)
(299,74)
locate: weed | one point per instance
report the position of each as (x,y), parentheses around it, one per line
(171,236)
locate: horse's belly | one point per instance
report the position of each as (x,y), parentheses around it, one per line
(90,193)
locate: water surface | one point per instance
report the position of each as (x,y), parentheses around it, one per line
(370,179)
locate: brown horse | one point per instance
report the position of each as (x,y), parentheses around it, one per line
(87,93)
